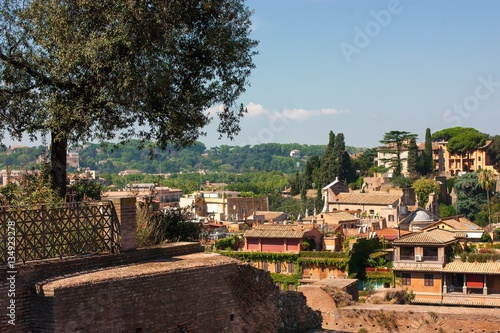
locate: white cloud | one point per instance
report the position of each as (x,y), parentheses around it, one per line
(301,114)
(255,110)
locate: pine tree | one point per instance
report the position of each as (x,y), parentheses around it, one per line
(394,143)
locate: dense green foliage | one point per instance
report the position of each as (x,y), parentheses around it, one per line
(425,164)
(423,188)
(360,256)
(446,210)
(171,225)
(111,158)
(100,70)
(412,157)
(470,196)
(394,142)
(32,188)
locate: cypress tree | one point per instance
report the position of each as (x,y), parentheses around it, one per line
(327,174)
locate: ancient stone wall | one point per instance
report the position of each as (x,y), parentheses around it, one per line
(385,318)
(27,275)
(198,292)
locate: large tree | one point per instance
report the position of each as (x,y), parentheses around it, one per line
(423,187)
(394,143)
(79,70)
(327,162)
(412,157)
(342,165)
(470,195)
(425,164)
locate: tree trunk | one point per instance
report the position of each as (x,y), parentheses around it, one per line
(58,149)
(489,209)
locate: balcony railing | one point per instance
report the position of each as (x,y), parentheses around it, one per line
(418,258)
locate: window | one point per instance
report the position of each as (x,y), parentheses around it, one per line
(428,280)
(264,265)
(431,253)
(372,211)
(277,267)
(291,267)
(406,281)
(391,218)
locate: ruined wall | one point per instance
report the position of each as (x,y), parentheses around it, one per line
(25,277)
(199,292)
(413,318)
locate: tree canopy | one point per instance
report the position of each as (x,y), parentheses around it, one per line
(423,188)
(425,164)
(470,195)
(101,70)
(394,142)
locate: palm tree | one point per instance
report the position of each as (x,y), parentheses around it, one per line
(486,180)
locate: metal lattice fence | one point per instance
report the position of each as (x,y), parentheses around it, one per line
(56,231)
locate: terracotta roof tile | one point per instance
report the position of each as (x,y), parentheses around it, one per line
(271,215)
(418,268)
(491,267)
(368,198)
(460,223)
(277,231)
(434,236)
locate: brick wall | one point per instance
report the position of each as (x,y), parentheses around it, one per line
(147,291)
(29,274)
(414,318)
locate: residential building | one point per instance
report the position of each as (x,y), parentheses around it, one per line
(225,205)
(454,164)
(385,207)
(446,164)
(271,216)
(426,263)
(280,238)
(331,220)
(459,225)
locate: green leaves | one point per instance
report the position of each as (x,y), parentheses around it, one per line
(94,70)
(423,188)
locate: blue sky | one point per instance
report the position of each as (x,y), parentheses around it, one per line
(364,68)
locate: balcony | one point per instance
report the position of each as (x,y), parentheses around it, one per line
(412,262)
(418,258)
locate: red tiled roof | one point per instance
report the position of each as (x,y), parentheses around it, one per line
(367,198)
(434,236)
(473,267)
(391,234)
(278,231)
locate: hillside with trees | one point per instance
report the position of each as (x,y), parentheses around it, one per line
(110,158)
